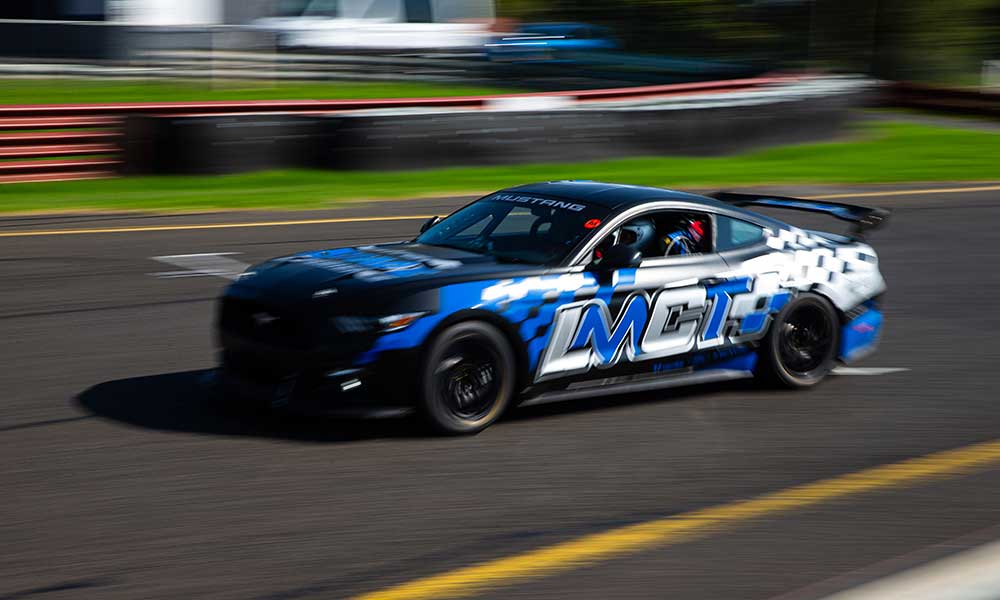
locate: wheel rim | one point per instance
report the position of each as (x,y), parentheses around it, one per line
(806,340)
(467,380)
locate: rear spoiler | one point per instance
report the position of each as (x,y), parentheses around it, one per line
(863,219)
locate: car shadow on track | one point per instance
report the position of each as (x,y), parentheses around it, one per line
(184,402)
(613,401)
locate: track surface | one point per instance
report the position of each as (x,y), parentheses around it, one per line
(118,481)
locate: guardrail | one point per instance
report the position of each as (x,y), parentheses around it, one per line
(58,148)
(77,141)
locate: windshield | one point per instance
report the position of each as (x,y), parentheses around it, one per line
(517,227)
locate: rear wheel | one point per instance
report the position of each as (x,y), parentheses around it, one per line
(467,378)
(801,347)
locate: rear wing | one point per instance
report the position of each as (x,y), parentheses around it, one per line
(863,219)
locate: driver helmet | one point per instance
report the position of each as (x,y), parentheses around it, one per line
(637,234)
(695,229)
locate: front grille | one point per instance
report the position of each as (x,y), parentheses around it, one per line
(264,324)
(259,367)
(265,343)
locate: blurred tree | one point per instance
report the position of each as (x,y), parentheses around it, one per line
(935,40)
(906,39)
(901,39)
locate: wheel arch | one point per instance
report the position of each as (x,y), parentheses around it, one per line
(817,290)
(508,329)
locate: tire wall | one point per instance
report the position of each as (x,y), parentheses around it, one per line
(219,144)
(392,141)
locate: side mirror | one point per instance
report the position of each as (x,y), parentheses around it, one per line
(619,257)
(431,222)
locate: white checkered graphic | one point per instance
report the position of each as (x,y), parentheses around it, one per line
(847,274)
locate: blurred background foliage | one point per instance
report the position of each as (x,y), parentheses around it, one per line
(924,40)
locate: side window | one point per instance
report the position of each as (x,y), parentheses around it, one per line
(663,233)
(734,233)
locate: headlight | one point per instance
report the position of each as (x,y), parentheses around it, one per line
(376,324)
(397,322)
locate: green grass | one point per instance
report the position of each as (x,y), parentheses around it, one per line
(878,152)
(63,91)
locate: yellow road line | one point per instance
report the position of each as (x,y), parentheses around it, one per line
(991,188)
(590,549)
(211,226)
(191,227)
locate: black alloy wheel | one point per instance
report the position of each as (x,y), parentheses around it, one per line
(801,347)
(805,339)
(468,378)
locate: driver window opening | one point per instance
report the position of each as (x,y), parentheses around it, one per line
(662,234)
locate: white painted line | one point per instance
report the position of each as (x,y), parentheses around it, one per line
(201,265)
(192,273)
(869,371)
(970,575)
(184,256)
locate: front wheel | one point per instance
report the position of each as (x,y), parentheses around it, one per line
(800,349)
(467,378)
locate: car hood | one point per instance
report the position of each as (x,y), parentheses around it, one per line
(359,270)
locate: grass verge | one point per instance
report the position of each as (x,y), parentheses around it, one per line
(882,153)
(73,91)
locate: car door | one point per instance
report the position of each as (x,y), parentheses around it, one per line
(639,319)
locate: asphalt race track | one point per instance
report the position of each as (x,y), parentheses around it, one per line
(118,480)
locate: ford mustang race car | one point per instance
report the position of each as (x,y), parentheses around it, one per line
(554,291)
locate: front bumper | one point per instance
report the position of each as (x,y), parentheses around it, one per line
(313,385)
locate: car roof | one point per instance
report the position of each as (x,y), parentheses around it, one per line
(611,195)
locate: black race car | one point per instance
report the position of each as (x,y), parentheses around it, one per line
(549,292)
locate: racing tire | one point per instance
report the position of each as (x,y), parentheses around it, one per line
(467,379)
(801,346)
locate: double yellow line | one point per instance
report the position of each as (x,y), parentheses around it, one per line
(591,549)
(195,227)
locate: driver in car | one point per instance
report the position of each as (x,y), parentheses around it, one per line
(686,239)
(640,235)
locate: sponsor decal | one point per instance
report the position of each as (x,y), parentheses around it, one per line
(673,322)
(373,263)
